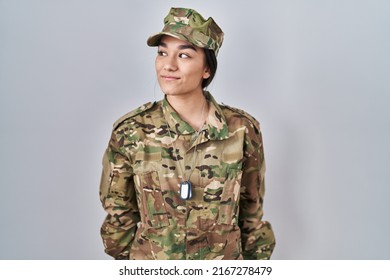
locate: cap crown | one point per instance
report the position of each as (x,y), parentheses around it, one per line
(189,25)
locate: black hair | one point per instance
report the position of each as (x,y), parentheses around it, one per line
(211,63)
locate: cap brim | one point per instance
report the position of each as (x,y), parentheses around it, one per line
(154,40)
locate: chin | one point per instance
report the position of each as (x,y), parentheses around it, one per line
(169,91)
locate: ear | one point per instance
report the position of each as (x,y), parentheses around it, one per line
(206,73)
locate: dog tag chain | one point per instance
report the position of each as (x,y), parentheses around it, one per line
(185,188)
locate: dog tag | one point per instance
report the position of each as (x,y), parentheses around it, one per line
(185,190)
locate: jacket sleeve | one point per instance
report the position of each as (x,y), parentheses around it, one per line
(118,198)
(257,237)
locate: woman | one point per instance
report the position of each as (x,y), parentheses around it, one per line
(183,178)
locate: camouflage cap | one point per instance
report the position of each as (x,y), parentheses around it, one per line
(189,25)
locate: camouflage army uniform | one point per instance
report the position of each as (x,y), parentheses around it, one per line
(139,188)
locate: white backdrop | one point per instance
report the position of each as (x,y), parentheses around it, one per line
(314,73)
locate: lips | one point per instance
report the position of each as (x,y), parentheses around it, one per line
(169,78)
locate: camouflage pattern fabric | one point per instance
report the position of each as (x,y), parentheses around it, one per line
(147,219)
(189,25)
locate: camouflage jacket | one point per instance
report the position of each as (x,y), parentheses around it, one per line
(139,187)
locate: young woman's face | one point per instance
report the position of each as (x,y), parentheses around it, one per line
(180,67)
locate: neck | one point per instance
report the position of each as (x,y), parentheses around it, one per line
(193,109)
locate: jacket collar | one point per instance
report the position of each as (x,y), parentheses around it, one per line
(215,127)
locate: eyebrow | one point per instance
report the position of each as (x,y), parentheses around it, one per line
(181,47)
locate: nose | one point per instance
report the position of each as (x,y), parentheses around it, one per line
(170,63)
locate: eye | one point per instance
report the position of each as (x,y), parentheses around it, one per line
(184,55)
(161,53)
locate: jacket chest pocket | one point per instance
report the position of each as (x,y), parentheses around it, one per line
(147,160)
(223,197)
(154,213)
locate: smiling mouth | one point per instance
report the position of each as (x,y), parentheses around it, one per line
(170,78)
